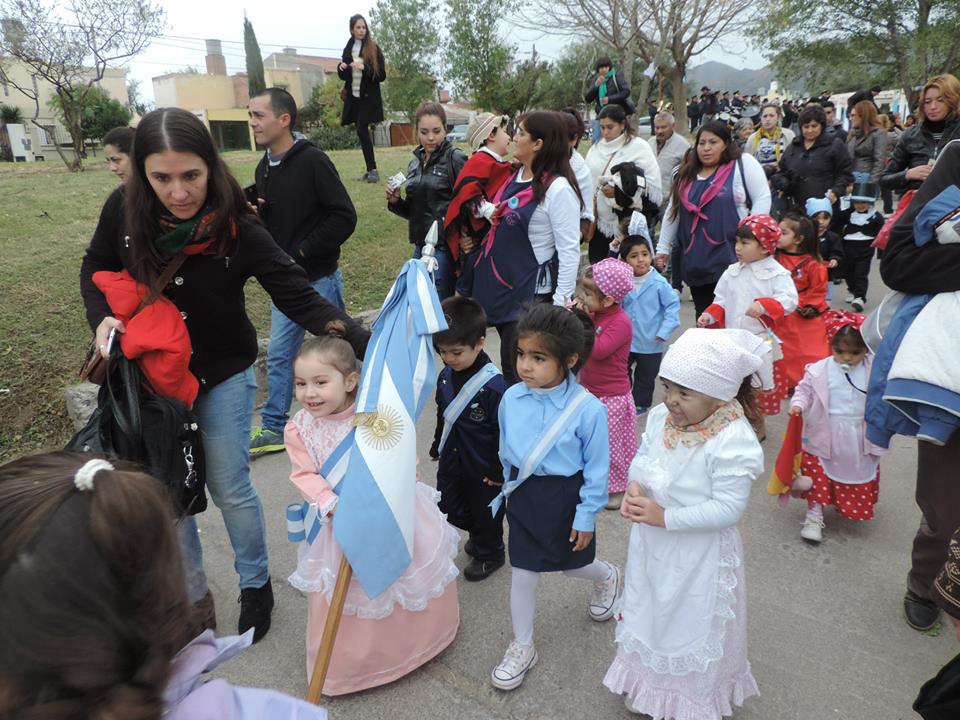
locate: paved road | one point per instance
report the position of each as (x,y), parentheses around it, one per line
(826,635)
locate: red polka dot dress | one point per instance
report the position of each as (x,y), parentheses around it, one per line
(843,466)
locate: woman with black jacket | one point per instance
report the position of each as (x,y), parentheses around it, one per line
(815,164)
(362,68)
(910,162)
(181,201)
(431,176)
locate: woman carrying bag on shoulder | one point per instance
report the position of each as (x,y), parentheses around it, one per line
(181,203)
(362,68)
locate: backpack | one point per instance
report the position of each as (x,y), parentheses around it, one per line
(159,433)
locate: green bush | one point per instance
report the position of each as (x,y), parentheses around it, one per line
(332,137)
(10,115)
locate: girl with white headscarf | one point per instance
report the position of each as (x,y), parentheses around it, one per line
(682,634)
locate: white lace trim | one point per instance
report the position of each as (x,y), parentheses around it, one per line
(324,510)
(712,647)
(672,703)
(413,591)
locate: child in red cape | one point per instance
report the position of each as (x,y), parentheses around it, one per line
(470,210)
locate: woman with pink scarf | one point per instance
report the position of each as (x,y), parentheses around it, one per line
(714,189)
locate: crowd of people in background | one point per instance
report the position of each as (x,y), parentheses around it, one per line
(760,213)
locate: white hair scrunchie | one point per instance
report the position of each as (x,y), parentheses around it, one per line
(83,478)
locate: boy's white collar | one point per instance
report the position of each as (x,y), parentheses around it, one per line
(491,153)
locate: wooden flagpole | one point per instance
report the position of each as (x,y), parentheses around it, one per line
(330,628)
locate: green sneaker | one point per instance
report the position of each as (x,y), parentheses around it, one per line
(264,441)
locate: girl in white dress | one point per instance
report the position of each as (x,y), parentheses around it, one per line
(682,630)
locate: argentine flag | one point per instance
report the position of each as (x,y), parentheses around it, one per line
(375,513)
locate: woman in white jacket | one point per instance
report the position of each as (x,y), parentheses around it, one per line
(618,146)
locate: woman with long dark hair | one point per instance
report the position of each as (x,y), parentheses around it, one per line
(716,186)
(362,68)
(181,203)
(431,177)
(867,142)
(619,160)
(532,251)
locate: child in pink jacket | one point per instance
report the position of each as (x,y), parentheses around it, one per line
(600,292)
(838,460)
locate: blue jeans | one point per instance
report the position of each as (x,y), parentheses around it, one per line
(224,415)
(444,278)
(195,579)
(595,137)
(286,337)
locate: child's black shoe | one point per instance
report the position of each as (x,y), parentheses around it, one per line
(481,569)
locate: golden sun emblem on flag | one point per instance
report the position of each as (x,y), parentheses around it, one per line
(381,429)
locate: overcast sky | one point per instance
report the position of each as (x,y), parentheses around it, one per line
(316,28)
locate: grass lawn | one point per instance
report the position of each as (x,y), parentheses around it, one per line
(47,216)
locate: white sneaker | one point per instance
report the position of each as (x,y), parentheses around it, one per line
(850,298)
(858,304)
(812,529)
(513,668)
(605,594)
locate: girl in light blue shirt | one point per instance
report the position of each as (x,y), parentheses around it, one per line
(556,459)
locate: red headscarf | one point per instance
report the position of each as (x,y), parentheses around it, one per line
(835,320)
(765,229)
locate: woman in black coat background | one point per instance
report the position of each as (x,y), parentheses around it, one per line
(362,69)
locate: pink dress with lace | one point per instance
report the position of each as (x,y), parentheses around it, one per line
(383,639)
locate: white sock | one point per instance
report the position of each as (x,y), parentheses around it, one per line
(597,571)
(523,604)
(815,510)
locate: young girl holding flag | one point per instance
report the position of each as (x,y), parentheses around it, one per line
(386,637)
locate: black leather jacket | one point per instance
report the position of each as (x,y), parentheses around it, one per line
(916,147)
(429,189)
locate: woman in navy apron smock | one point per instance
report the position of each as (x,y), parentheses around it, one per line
(715,187)
(532,251)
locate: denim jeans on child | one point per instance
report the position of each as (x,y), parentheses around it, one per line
(224,414)
(444,278)
(286,337)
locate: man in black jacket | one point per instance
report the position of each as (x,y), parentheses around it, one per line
(306,208)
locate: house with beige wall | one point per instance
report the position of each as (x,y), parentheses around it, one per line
(114,83)
(220,100)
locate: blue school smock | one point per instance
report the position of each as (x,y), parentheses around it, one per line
(582,447)
(654,311)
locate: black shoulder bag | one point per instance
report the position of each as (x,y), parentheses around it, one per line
(159,433)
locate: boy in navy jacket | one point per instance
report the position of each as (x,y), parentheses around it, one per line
(467,439)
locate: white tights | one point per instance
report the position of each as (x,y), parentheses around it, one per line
(523,595)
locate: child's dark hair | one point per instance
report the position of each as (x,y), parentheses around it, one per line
(805,230)
(747,397)
(563,333)
(630,242)
(745,233)
(333,350)
(92,600)
(848,335)
(466,320)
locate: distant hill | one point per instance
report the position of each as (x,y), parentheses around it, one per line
(719,76)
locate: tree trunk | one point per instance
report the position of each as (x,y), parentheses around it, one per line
(51,130)
(679,93)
